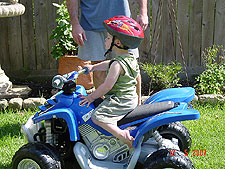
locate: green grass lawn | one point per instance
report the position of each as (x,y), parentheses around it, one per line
(208,133)
(10,137)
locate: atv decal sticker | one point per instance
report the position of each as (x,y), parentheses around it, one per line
(87,116)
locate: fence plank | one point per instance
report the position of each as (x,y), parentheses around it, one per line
(220,23)
(168,33)
(183,17)
(4,56)
(156,50)
(41,33)
(61,1)
(133,8)
(195,33)
(29,56)
(15,45)
(51,20)
(208,23)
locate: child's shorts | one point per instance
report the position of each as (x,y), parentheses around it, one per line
(114,108)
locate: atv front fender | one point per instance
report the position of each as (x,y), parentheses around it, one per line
(65,114)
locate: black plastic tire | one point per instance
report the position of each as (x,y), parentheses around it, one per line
(165,159)
(179,131)
(37,155)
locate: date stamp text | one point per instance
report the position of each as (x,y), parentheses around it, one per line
(195,152)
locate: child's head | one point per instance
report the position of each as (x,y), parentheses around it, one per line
(113,40)
(126,30)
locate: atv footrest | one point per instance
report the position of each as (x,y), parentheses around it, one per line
(87,161)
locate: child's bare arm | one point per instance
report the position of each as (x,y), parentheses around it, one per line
(102,66)
(114,72)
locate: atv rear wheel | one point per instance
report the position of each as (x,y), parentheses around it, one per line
(36,156)
(163,158)
(179,131)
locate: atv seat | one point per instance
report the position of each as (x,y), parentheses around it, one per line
(146,110)
(143,111)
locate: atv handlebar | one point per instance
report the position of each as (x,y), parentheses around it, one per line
(59,80)
(84,71)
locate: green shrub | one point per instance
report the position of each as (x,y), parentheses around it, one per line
(63,33)
(162,76)
(212,79)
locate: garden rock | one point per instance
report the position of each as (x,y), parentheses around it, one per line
(14,1)
(3,104)
(16,104)
(5,84)
(16,91)
(28,104)
(33,103)
(195,99)
(211,98)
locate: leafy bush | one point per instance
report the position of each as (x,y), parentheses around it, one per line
(63,33)
(162,76)
(212,79)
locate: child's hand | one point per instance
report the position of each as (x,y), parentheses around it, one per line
(79,67)
(90,68)
(86,100)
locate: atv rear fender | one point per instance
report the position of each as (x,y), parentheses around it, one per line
(183,94)
(165,118)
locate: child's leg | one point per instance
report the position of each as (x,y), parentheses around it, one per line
(123,135)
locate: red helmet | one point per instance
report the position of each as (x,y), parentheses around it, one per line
(127,30)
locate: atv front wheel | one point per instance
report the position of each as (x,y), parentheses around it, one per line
(179,131)
(36,156)
(165,158)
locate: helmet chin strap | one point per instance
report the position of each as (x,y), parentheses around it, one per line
(124,47)
(113,44)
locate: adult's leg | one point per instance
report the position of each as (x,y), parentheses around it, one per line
(94,50)
(98,76)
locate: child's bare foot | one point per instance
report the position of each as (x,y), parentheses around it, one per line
(126,138)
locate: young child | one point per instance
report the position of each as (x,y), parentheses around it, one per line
(119,87)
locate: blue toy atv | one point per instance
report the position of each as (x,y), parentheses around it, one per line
(63,129)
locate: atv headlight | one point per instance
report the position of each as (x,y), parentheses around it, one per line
(101,151)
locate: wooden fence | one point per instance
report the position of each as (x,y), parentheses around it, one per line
(25,46)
